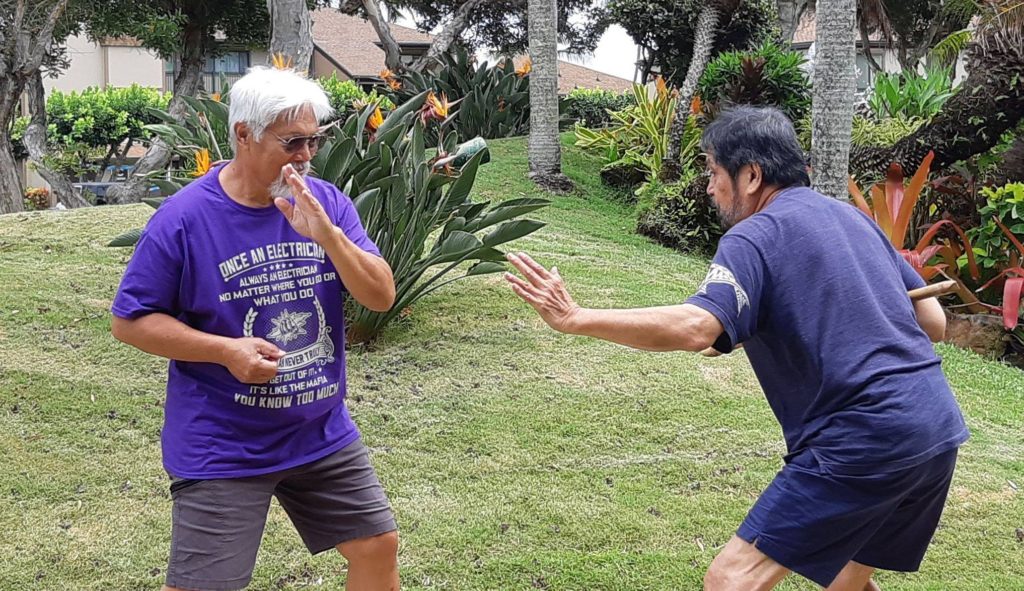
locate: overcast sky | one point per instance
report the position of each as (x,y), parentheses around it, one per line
(615,53)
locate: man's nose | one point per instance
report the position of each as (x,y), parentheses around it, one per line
(304,154)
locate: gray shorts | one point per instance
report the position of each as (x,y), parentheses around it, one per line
(217,525)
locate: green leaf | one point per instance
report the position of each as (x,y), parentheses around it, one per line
(485,268)
(130,238)
(510,231)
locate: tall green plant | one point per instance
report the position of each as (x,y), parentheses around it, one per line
(908,94)
(415,207)
(345,94)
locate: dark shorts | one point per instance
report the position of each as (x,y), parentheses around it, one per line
(814,521)
(217,525)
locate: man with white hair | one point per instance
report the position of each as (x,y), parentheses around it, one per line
(238,279)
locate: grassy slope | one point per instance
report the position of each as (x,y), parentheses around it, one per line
(514,457)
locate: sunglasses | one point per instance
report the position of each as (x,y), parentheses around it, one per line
(312,142)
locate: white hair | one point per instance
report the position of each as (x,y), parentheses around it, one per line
(263,95)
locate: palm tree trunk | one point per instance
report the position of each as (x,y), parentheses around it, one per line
(544,150)
(704,39)
(989,103)
(832,95)
(291,32)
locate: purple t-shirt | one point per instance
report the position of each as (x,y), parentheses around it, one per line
(818,297)
(227,269)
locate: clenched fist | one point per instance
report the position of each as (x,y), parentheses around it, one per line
(252,360)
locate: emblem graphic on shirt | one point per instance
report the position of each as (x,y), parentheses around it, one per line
(290,326)
(721,275)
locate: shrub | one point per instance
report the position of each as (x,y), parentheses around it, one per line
(344,94)
(591,107)
(680,216)
(884,132)
(908,94)
(37,198)
(417,209)
(765,76)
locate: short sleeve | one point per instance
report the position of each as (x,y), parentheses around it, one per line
(347,219)
(911,278)
(152,280)
(732,290)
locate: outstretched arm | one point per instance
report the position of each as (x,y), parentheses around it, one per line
(683,327)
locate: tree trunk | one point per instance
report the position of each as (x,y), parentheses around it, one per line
(186,83)
(291,31)
(392,55)
(448,35)
(704,39)
(989,103)
(544,149)
(35,142)
(832,95)
(23,45)
(790,12)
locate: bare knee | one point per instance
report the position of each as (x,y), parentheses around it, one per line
(383,547)
(721,578)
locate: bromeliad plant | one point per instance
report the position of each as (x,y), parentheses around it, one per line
(892,207)
(416,207)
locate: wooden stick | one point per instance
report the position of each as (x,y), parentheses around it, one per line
(916,295)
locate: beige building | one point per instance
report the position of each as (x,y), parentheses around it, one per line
(344,45)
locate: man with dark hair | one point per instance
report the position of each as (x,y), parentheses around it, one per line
(818,297)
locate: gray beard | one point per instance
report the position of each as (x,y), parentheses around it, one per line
(280,187)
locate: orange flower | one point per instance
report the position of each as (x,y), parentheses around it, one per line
(215,96)
(202,162)
(525,69)
(394,84)
(376,118)
(661,86)
(435,109)
(279,61)
(387,74)
(696,105)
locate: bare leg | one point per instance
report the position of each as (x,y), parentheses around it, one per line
(372,563)
(742,567)
(854,577)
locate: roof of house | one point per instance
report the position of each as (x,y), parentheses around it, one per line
(351,43)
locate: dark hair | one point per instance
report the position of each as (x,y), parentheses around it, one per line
(757,135)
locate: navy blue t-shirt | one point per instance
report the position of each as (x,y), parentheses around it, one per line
(818,297)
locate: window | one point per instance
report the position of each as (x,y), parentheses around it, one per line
(229,67)
(865,71)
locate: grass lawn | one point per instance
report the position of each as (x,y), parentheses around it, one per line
(515,458)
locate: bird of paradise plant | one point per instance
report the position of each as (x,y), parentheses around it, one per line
(525,69)
(202,163)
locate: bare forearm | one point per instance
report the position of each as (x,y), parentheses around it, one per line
(931,318)
(666,328)
(166,336)
(366,276)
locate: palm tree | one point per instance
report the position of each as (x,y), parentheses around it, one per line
(544,149)
(291,31)
(832,95)
(713,12)
(990,100)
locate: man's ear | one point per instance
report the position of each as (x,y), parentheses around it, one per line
(755,178)
(243,134)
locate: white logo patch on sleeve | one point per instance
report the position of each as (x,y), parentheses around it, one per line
(721,275)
